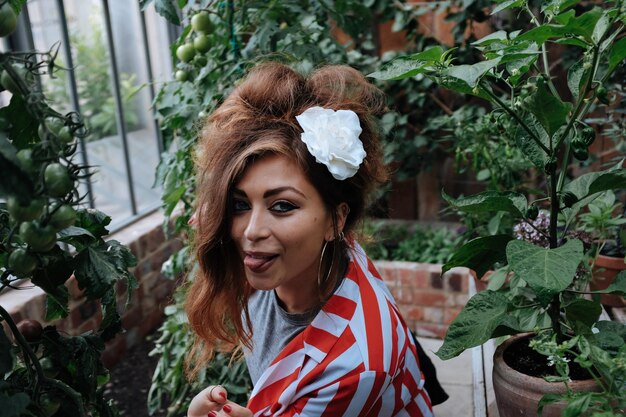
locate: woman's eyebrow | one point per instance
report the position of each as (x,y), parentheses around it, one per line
(278,190)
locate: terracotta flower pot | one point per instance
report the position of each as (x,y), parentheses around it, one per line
(605,269)
(518,394)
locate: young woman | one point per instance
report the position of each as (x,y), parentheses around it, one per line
(285,167)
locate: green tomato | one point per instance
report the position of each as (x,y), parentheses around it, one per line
(201,22)
(63,217)
(9,83)
(185,52)
(49,369)
(8,20)
(182,75)
(602,94)
(49,405)
(57,180)
(202,43)
(54,124)
(65,135)
(39,238)
(24,212)
(25,158)
(21,263)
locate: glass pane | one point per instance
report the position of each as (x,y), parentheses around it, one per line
(141,132)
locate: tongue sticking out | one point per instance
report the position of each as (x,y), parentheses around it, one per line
(256,263)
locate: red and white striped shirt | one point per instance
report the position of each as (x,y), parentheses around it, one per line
(356,358)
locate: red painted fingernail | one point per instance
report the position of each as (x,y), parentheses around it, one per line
(223,395)
(211,414)
(227,408)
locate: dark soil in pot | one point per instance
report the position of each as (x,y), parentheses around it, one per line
(521,357)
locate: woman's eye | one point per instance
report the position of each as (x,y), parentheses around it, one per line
(282,207)
(240,205)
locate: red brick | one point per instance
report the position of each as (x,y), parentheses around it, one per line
(431,330)
(454,282)
(404,295)
(151,321)
(72,286)
(435,280)
(132,317)
(433,315)
(113,351)
(450,314)
(415,313)
(429,298)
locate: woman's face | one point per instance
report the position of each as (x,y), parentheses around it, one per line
(279,225)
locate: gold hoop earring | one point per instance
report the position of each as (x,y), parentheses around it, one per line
(319,270)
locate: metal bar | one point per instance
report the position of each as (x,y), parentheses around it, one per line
(30,42)
(67,52)
(146,48)
(121,125)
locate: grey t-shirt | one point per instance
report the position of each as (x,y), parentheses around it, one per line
(273,329)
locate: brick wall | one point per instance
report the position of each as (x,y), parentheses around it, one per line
(428,301)
(147,242)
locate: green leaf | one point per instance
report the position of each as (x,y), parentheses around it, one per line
(99,266)
(23,124)
(471,74)
(547,271)
(479,254)
(409,66)
(167,9)
(577,76)
(144,4)
(490,201)
(617,54)
(6,353)
(549,110)
(585,185)
(57,303)
(507,4)
(484,315)
(111,321)
(14,405)
(601,27)
(93,221)
(584,311)
(618,286)
(529,147)
(577,406)
(13,181)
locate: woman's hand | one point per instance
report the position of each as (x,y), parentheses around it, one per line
(213,402)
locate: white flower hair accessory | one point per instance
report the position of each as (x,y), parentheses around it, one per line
(332,137)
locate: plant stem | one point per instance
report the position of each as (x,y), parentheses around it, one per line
(507,109)
(544,54)
(28,352)
(554,310)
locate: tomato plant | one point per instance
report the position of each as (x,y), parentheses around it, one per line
(44,372)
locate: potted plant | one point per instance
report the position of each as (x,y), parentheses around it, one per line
(605,224)
(545,291)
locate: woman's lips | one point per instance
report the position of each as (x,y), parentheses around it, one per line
(258,262)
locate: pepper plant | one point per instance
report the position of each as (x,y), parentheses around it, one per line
(542,289)
(46,237)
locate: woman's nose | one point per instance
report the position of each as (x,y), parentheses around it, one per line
(257,226)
